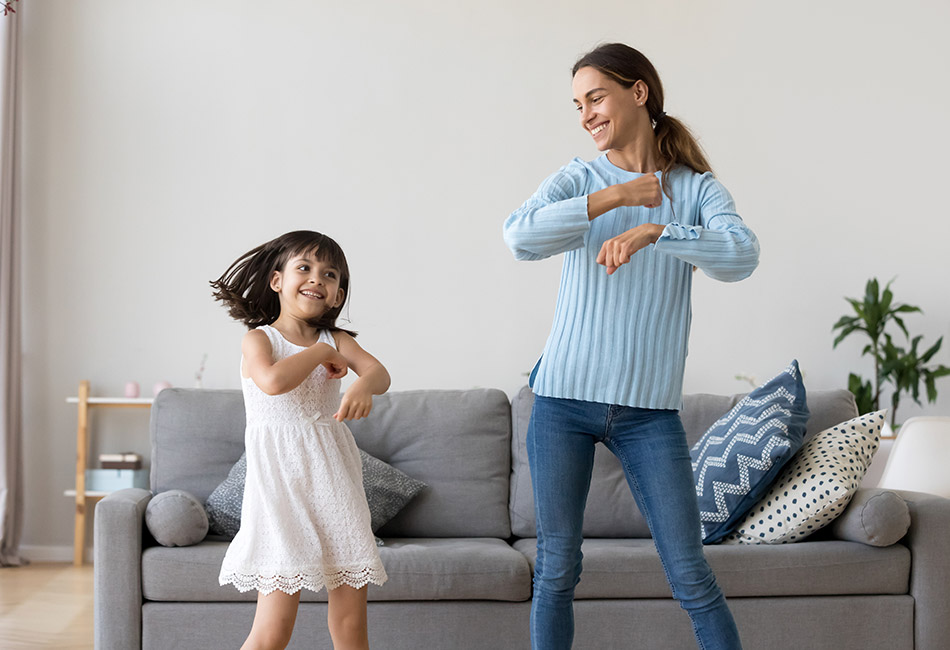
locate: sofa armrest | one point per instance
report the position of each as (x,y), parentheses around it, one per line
(930,567)
(117,569)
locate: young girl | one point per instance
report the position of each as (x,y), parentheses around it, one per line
(305,522)
(612,369)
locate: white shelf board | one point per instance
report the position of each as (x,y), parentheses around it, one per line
(112,400)
(89,493)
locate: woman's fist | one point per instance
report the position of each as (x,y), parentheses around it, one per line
(645,191)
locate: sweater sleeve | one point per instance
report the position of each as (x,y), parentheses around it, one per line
(721,245)
(554,220)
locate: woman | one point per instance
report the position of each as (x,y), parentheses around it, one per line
(612,368)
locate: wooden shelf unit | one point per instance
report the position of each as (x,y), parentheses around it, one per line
(84,402)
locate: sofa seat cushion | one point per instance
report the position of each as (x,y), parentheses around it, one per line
(419,569)
(631,568)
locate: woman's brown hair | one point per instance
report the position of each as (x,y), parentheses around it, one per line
(245,287)
(674,142)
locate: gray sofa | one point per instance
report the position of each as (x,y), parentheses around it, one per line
(460,555)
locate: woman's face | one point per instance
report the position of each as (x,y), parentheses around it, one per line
(608,111)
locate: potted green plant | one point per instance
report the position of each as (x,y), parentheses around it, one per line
(903,369)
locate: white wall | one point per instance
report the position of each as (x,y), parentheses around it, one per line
(163,139)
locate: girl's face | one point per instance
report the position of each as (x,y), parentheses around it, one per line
(612,114)
(307,287)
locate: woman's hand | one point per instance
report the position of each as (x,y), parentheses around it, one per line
(617,251)
(645,191)
(357,402)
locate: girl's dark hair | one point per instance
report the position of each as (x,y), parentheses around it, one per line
(674,142)
(245,287)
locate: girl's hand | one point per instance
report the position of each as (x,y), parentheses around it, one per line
(645,191)
(618,251)
(334,362)
(357,402)
(373,379)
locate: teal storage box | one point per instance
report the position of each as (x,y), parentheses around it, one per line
(109,480)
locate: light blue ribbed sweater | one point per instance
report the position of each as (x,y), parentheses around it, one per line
(622,338)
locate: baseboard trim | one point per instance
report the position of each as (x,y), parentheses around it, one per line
(38,553)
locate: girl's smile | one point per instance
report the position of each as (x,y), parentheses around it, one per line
(313,294)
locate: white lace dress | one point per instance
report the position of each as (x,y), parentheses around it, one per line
(305,522)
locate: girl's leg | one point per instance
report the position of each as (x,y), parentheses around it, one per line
(273,621)
(651,446)
(346,617)
(561,457)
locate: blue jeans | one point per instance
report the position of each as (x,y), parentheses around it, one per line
(651,446)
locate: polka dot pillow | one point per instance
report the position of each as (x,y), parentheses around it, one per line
(816,485)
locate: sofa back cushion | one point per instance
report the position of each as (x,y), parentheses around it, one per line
(457,442)
(197,435)
(611,510)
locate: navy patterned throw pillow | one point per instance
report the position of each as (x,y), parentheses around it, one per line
(224,504)
(736,460)
(387,489)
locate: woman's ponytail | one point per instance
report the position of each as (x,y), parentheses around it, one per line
(676,145)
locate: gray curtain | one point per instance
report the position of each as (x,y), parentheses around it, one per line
(11,428)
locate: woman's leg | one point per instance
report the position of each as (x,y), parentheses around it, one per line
(273,621)
(346,617)
(651,446)
(561,457)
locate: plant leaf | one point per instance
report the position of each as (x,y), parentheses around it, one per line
(845,332)
(900,324)
(931,388)
(926,356)
(862,393)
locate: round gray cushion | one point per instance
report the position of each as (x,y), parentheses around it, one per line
(176,518)
(873,517)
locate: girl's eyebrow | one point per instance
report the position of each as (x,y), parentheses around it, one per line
(313,260)
(590,92)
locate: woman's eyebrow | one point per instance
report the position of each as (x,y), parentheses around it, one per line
(591,92)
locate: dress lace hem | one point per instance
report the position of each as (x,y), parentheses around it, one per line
(312,581)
